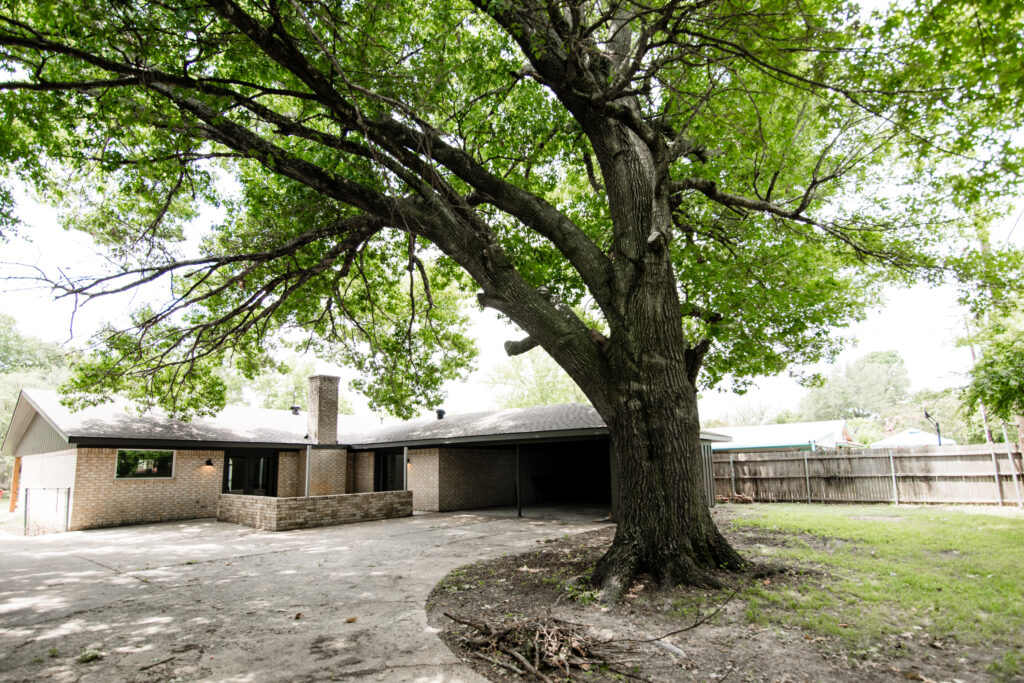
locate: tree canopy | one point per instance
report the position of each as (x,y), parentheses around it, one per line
(532,379)
(809,150)
(660,194)
(21,353)
(997,379)
(25,361)
(870,386)
(283,387)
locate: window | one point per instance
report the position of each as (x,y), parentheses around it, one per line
(144,464)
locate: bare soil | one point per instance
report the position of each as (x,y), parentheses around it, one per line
(710,637)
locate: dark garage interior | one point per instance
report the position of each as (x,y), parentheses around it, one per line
(563,472)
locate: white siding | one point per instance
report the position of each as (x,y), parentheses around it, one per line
(48,470)
(40,437)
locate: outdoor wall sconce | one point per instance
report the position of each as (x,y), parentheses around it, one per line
(208,463)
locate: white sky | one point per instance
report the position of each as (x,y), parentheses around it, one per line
(921,323)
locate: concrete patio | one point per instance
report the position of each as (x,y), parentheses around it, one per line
(204,600)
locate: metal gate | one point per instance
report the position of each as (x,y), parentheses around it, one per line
(46,510)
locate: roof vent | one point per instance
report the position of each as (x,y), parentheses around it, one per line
(295,410)
(440,414)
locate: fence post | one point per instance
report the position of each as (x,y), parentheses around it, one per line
(895,486)
(1013,466)
(807,477)
(732,475)
(995,465)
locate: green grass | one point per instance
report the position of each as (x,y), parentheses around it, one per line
(937,573)
(1009,668)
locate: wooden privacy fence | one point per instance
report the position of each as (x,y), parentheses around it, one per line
(975,474)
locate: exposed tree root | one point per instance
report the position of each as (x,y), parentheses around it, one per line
(763,571)
(619,568)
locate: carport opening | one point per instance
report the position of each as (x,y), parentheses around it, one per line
(565,473)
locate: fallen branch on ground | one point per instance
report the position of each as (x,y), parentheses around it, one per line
(542,648)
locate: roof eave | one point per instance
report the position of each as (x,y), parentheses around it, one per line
(554,435)
(182,444)
(527,437)
(714,437)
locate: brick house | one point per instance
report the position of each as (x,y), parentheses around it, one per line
(278,469)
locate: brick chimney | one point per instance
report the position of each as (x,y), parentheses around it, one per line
(322,420)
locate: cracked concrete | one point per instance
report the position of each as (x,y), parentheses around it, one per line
(204,600)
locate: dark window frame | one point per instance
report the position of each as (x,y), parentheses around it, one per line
(248,459)
(133,477)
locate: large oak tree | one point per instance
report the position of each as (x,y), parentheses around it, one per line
(660,193)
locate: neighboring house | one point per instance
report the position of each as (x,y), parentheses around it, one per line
(912,437)
(277,469)
(796,436)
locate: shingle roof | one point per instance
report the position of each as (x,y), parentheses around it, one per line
(118,421)
(513,422)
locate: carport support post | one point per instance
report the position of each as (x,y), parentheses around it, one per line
(309,466)
(405,468)
(519,486)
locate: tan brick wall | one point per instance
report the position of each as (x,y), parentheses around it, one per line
(362,472)
(424,478)
(327,472)
(322,417)
(476,477)
(101,500)
(291,474)
(259,512)
(281,514)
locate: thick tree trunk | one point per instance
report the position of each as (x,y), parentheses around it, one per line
(664,525)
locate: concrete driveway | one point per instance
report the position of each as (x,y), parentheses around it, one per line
(203,600)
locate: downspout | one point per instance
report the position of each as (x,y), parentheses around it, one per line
(309,466)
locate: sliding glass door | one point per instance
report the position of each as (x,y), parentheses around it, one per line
(250,473)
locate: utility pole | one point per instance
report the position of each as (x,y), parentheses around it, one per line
(938,432)
(984,413)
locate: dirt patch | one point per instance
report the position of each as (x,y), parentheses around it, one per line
(662,634)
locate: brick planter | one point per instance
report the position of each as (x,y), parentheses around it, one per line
(281,514)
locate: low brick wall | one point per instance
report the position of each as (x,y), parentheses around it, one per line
(282,514)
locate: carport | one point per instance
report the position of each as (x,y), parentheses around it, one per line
(564,471)
(540,456)
(546,456)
